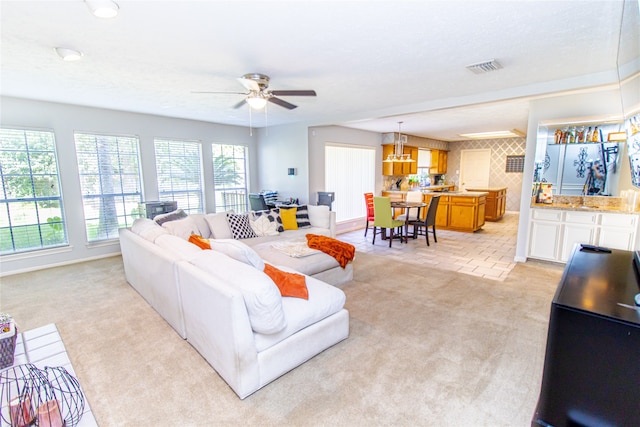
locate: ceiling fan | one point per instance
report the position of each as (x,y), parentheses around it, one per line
(259,93)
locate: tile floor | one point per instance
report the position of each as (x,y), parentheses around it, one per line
(488,252)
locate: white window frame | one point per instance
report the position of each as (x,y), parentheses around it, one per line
(26,222)
(111,197)
(179,173)
(231,196)
(349,172)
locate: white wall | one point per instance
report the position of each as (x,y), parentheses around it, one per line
(280,148)
(63,120)
(560,107)
(319,136)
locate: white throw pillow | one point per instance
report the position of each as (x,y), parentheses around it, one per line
(147,229)
(238,251)
(219,225)
(319,216)
(262,226)
(261,296)
(182,228)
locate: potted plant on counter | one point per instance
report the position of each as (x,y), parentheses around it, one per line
(414,181)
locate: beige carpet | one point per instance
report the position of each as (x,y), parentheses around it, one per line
(426,347)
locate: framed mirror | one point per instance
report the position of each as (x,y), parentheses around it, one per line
(629,77)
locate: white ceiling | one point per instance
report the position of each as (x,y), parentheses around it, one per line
(372,63)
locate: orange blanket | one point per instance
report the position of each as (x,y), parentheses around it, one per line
(341,251)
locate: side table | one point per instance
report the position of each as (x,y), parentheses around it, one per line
(44,347)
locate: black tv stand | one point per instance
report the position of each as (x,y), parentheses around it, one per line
(591,371)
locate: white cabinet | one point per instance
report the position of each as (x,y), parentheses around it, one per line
(554,233)
(618,231)
(545,240)
(544,235)
(578,227)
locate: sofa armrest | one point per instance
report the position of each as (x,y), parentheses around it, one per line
(217,325)
(332,224)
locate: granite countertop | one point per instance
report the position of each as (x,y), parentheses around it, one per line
(578,208)
(487,188)
(446,193)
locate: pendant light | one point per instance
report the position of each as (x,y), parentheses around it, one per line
(398,152)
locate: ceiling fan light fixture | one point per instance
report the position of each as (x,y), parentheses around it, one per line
(103,8)
(256,102)
(68,54)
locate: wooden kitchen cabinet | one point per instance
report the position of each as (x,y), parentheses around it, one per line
(460,211)
(399,168)
(466,213)
(496,202)
(442,214)
(438,162)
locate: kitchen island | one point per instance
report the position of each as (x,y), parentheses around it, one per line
(496,201)
(457,210)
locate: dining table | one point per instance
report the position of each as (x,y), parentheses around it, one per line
(407,206)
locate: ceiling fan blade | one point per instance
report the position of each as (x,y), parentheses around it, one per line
(282,103)
(250,85)
(224,93)
(240,104)
(294,92)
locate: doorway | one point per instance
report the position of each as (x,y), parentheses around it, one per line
(474,168)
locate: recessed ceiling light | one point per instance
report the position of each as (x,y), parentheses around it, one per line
(495,134)
(68,54)
(103,8)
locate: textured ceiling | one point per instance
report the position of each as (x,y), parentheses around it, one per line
(371,63)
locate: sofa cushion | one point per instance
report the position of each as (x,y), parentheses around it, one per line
(290,284)
(288,216)
(263,226)
(309,265)
(147,229)
(261,296)
(182,228)
(324,300)
(240,227)
(170,216)
(238,251)
(177,246)
(218,225)
(319,216)
(202,224)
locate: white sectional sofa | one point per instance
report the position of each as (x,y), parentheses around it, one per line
(226,307)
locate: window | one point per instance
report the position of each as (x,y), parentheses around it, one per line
(230,177)
(32,215)
(349,172)
(109,171)
(178,164)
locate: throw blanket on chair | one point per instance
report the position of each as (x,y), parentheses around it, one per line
(341,251)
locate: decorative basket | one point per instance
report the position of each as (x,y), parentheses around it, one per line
(8,336)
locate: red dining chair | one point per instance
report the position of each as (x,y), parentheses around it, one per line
(368,199)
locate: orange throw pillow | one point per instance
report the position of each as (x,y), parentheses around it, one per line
(290,284)
(199,241)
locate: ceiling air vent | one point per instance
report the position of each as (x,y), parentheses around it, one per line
(485,67)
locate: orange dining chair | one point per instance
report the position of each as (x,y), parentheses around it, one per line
(368,200)
(384,218)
